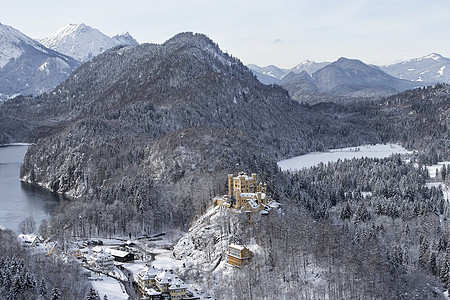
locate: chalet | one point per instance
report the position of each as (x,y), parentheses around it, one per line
(238,255)
(29,240)
(121,256)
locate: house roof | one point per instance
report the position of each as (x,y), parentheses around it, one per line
(178,284)
(165,277)
(28,237)
(117,253)
(236,246)
(148,273)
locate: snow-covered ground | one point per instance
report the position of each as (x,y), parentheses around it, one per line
(435,182)
(108,286)
(312,159)
(432,169)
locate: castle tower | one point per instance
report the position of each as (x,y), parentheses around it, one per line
(230,185)
(238,198)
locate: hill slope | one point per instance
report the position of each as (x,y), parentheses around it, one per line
(432,68)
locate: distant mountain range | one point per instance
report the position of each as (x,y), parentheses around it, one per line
(432,68)
(83,42)
(30,67)
(33,67)
(343,78)
(312,82)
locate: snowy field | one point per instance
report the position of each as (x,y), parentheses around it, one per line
(108,286)
(432,169)
(436,183)
(312,159)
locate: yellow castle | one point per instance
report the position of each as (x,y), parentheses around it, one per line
(244,193)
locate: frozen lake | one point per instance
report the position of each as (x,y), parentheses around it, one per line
(312,159)
(20,200)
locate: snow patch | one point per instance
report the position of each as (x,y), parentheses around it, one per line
(108,286)
(441,71)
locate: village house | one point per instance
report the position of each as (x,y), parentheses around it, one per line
(146,277)
(165,285)
(102,261)
(29,240)
(245,194)
(121,256)
(177,289)
(118,255)
(238,255)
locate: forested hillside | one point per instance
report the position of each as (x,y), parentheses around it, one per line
(33,276)
(159,126)
(142,137)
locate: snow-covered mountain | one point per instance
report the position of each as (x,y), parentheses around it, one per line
(83,42)
(28,67)
(308,66)
(431,68)
(344,78)
(271,70)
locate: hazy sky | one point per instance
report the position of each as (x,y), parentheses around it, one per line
(282,32)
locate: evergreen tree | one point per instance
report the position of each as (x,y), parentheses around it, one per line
(92,294)
(433,266)
(346,212)
(423,252)
(443,274)
(43,290)
(55,294)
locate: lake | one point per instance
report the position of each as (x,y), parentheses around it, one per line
(20,200)
(313,159)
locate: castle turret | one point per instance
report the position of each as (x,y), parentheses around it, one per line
(238,198)
(230,185)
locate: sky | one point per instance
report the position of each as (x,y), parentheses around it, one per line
(264,32)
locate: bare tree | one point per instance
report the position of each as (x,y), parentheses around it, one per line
(28,225)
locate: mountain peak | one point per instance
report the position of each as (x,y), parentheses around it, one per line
(83,42)
(434,56)
(27,67)
(186,38)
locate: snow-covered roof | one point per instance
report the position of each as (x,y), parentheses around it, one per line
(28,237)
(152,292)
(102,255)
(177,285)
(245,176)
(235,246)
(148,273)
(253,204)
(248,195)
(117,253)
(165,277)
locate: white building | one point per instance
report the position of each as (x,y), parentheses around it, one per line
(102,260)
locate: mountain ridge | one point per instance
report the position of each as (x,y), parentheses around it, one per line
(83,42)
(27,67)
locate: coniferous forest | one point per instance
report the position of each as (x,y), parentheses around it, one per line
(141,138)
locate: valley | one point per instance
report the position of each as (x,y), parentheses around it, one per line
(141,138)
